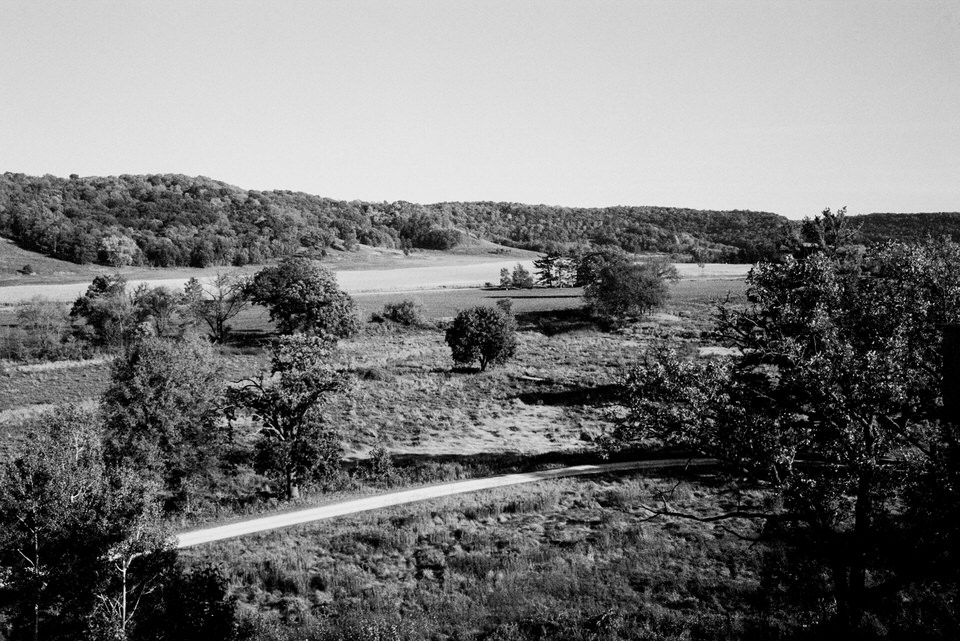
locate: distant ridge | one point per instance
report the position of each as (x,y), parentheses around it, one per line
(170,219)
(880,227)
(166,220)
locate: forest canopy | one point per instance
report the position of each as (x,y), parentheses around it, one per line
(170,220)
(174,220)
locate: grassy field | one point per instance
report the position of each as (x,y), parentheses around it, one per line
(50,271)
(569,559)
(409,397)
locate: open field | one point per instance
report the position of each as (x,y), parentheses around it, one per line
(567,559)
(397,278)
(408,397)
(365,270)
(53,271)
(62,281)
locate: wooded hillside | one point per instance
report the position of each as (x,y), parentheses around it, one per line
(907,227)
(170,219)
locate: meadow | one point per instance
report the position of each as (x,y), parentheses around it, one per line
(567,559)
(570,559)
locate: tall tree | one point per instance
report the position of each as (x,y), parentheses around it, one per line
(520,278)
(157,306)
(104,315)
(832,392)
(295,445)
(556,270)
(303,296)
(162,410)
(66,519)
(215,304)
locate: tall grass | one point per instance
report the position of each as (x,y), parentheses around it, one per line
(566,559)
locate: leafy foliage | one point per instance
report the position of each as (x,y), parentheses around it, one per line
(835,388)
(483,334)
(295,446)
(405,312)
(622,289)
(167,220)
(43,332)
(157,307)
(77,537)
(303,296)
(556,270)
(104,314)
(194,606)
(162,411)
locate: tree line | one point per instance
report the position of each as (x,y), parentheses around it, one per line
(170,220)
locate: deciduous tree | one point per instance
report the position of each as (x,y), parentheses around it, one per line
(159,307)
(620,289)
(482,334)
(832,392)
(162,410)
(295,445)
(66,520)
(520,277)
(303,296)
(215,304)
(104,315)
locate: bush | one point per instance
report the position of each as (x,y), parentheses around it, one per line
(624,289)
(42,334)
(405,312)
(482,334)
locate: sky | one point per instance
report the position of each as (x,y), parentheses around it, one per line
(773,105)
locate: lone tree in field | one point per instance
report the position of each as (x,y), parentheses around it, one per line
(831,401)
(303,297)
(215,304)
(483,334)
(621,289)
(295,445)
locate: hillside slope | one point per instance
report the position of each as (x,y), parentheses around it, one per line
(881,227)
(169,220)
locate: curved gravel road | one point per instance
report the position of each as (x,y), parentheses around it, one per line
(240,528)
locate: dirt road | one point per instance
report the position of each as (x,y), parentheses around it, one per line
(299,517)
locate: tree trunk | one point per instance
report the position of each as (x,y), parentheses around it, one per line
(863,524)
(293,489)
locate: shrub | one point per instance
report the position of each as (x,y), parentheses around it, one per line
(624,289)
(405,312)
(482,334)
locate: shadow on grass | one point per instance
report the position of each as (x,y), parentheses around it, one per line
(475,465)
(553,322)
(245,338)
(538,296)
(597,395)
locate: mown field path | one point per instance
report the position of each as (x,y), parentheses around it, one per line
(299,517)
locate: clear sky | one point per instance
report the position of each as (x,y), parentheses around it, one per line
(784,106)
